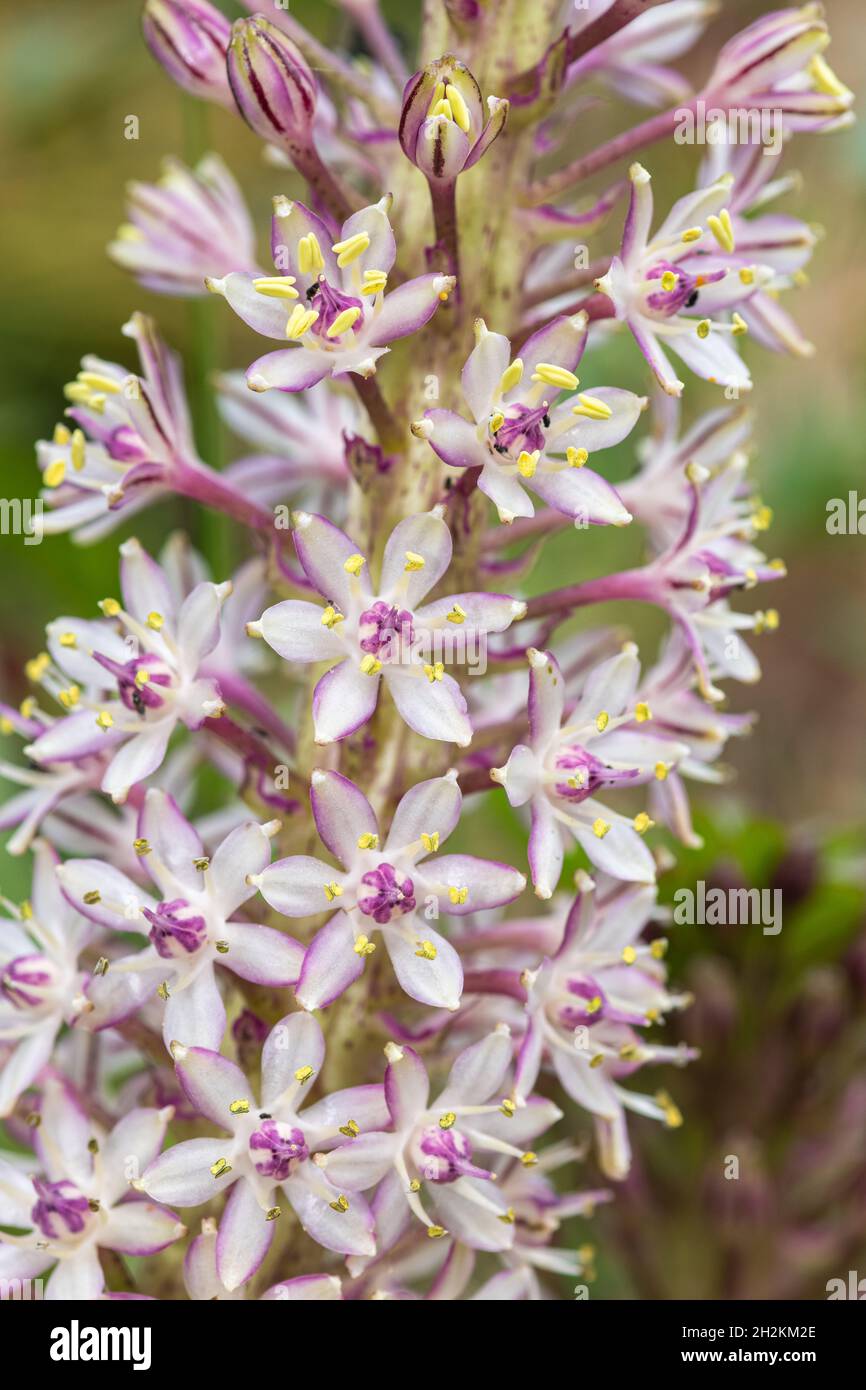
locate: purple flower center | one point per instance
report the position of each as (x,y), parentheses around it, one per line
(586,773)
(137,693)
(523,428)
(384,630)
(384,895)
(26,980)
(447,1156)
(330,304)
(276,1149)
(175,929)
(684,295)
(61,1210)
(591,1007)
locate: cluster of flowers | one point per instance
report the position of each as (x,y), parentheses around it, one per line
(150,985)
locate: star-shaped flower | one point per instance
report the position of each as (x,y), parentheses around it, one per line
(394,886)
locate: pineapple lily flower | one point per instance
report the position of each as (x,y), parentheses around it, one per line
(654,279)
(443,129)
(41,984)
(429,1154)
(394,886)
(192,923)
(203,1284)
(585,1002)
(190,38)
(526,435)
(81,1201)
(574,752)
(271,1145)
(383,635)
(328,297)
(127,681)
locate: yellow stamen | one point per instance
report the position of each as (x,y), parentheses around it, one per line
(747,275)
(36,667)
(142,846)
(508,1108)
(458,107)
(576,457)
(354,564)
(350,249)
(431,841)
(669,281)
(600,828)
(426,950)
(722,229)
(239,1107)
(642,823)
(703,328)
(77,450)
(592,408)
(456,614)
(331,617)
(364,946)
(67,639)
(109,606)
(61,434)
(529,1159)
(276,286)
(304,1074)
(738,325)
(436,1232)
(825,79)
(370,666)
(527,463)
(92,897)
(435,672)
(340,1205)
(155,621)
(368,841)
(104,719)
(343,322)
(629,955)
(27,707)
(448,1120)
(673,1115)
(54,473)
(458,895)
(642,712)
(661,771)
(310,256)
(221,1167)
(552,375)
(692,234)
(413,562)
(511,376)
(497,420)
(333,890)
(374,281)
(602,721)
(351,1129)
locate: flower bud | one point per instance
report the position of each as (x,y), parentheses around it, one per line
(190,38)
(273,87)
(442,125)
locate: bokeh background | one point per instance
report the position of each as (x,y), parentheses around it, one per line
(782,1083)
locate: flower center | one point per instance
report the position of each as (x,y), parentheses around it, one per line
(137,679)
(385,895)
(673,288)
(330,305)
(175,929)
(522,428)
(446,1155)
(28,981)
(61,1210)
(385,631)
(583,773)
(276,1149)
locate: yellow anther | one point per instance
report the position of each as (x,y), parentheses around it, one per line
(331,616)
(552,375)
(459,108)
(27,707)
(529,1159)
(273,1213)
(629,1052)
(92,897)
(303,1074)
(413,562)
(511,376)
(340,1205)
(629,955)
(497,420)
(239,1107)
(576,457)
(508,1108)
(221,1167)
(578,780)
(368,840)
(602,720)
(430,841)
(508,1216)
(661,771)
(824,78)
(26,910)
(333,890)
(162,991)
(426,950)
(96,381)
(448,1120)
(61,434)
(458,896)
(363,946)
(642,823)
(67,639)
(527,463)
(434,672)
(350,249)
(414,1185)
(101,966)
(343,322)
(597,1060)
(6,725)
(201,863)
(600,828)
(222,947)
(370,666)
(703,328)
(692,234)
(109,606)
(659,948)
(36,667)
(443,108)
(722,229)
(54,473)
(593,1005)
(276,286)
(104,719)
(762,519)
(310,256)
(354,564)
(300,322)
(771,618)
(436,1232)
(142,678)
(642,712)
(142,846)
(351,1129)
(738,325)
(592,408)
(155,621)
(456,614)
(672,1113)
(374,281)
(77,450)
(669,281)
(747,275)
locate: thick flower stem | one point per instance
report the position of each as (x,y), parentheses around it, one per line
(647,133)
(392,439)
(636,585)
(443,197)
(203,485)
(324,187)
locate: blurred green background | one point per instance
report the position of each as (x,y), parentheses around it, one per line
(70,75)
